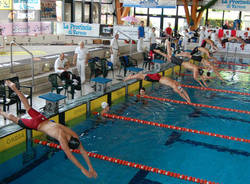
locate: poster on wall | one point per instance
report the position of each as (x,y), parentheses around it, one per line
(48,9)
(78,29)
(5,4)
(239,5)
(26,5)
(150,3)
(126,32)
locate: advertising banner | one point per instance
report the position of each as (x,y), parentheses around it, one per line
(239,5)
(150,3)
(26,5)
(78,29)
(5,4)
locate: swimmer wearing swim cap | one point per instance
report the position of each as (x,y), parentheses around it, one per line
(105,107)
(67,138)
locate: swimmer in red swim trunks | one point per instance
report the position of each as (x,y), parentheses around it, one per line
(162,80)
(67,138)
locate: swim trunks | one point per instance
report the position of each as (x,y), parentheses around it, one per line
(153,77)
(196,58)
(176,61)
(204,43)
(33,123)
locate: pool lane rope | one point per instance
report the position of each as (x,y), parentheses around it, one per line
(229,70)
(217,90)
(113,116)
(193,104)
(131,164)
(230,63)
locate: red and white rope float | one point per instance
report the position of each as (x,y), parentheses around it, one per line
(113,116)
(132,164)
(193,104)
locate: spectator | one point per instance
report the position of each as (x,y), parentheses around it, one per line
(169,31)
(61,65)
(114,50)
(141,36)
(152,39)
(81,60)
(225,26)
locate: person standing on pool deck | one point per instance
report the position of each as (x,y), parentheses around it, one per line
(141,36)
(114,50)
(80,60)
(176,86)
(67,138)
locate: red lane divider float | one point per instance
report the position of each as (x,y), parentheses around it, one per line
(113,116)
(217,90)
(229,70)
(230,63)
(132,164)
(193,104)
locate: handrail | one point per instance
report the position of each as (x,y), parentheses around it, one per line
(31,61)
(119,31)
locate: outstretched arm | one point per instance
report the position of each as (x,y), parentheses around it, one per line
(136,76)
(195,75)
(86,158)
(65,148)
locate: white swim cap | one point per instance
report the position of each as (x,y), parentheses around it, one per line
(104,105)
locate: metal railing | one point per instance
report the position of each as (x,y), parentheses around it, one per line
(13,42)
(130,39)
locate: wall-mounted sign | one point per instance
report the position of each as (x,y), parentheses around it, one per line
(106,30)
(150,3)
(239,5)
(26,5)
(5,4)
(78,29)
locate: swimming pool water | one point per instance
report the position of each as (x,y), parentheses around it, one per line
(205,157)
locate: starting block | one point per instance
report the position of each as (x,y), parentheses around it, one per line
(157,64)
(52,102)
(134,70)
(101,83)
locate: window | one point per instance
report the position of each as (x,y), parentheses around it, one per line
(107,8)
(169,11)
(181,11)
(215,18)
(144,18)
(155,11)
(141,10)
(78,11)
(245,20)
(107,14)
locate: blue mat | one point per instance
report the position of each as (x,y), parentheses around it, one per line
(134,69)
(158,61)
(53,97)
(101,80)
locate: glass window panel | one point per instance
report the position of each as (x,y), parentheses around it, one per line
(67,12)
(214,18)
(103,19)
(155,22)
(78,11)
(106,8)
(181,10)
(141,10)
(110,20)
(169,11)
(245,20)
(155,11)
(166,21)
(86,12)
(144,18)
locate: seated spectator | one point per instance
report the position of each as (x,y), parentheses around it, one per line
(61,66)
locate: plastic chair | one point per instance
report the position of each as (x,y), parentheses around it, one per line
(54,80)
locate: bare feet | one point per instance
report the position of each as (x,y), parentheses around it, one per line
(10,84)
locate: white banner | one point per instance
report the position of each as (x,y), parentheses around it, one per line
(78,29)
(26,5)
(130,31)
(239,5)
(150,3)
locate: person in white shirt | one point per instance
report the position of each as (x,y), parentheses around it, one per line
(152,39)
(185,39)
(80,60)
(114,50)
(61,64)
(202,35)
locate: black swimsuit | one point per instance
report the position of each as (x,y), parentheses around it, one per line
(196,58)
(176,61)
